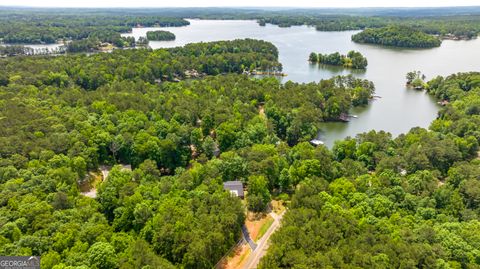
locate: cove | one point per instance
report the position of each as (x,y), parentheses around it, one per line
(397,111)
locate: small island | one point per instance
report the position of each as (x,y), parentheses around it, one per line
(353,59)
(160,35)
(397,36)
(416,80)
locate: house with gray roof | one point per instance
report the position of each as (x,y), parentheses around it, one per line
(235,188)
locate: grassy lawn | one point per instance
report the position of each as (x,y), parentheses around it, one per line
(243,256)
(256,222)
(264,228)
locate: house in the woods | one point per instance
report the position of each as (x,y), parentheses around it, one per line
(235,188)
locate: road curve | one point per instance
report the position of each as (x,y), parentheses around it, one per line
(262,244)
(247,238)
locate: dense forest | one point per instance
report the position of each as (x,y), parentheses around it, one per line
(353,59)
(82,33)
(160,35)
(154,134)
(451,22)
(91,72)
(34,28)
(458,27)
(62,117)
(408,202)
(397,36)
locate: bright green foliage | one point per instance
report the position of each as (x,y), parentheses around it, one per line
(461,116)
(372,201)
(91,72)
(418,207)
(61,117)
(258,193)
(140,255)
(102,256)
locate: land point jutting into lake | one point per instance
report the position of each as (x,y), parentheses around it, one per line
(239,137)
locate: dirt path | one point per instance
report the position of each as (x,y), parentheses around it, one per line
(91,191)
(262,244)
(88,187)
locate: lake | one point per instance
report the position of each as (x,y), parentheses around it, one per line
(397,111)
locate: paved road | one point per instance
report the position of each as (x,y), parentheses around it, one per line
(262,244)
(247,238)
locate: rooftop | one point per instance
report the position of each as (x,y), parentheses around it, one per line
(235,187)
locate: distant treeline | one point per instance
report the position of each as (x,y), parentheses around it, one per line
(353,59)
(33,28)
(49,25)
(397,36)
(462,27)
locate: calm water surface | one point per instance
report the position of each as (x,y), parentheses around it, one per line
(397,111)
